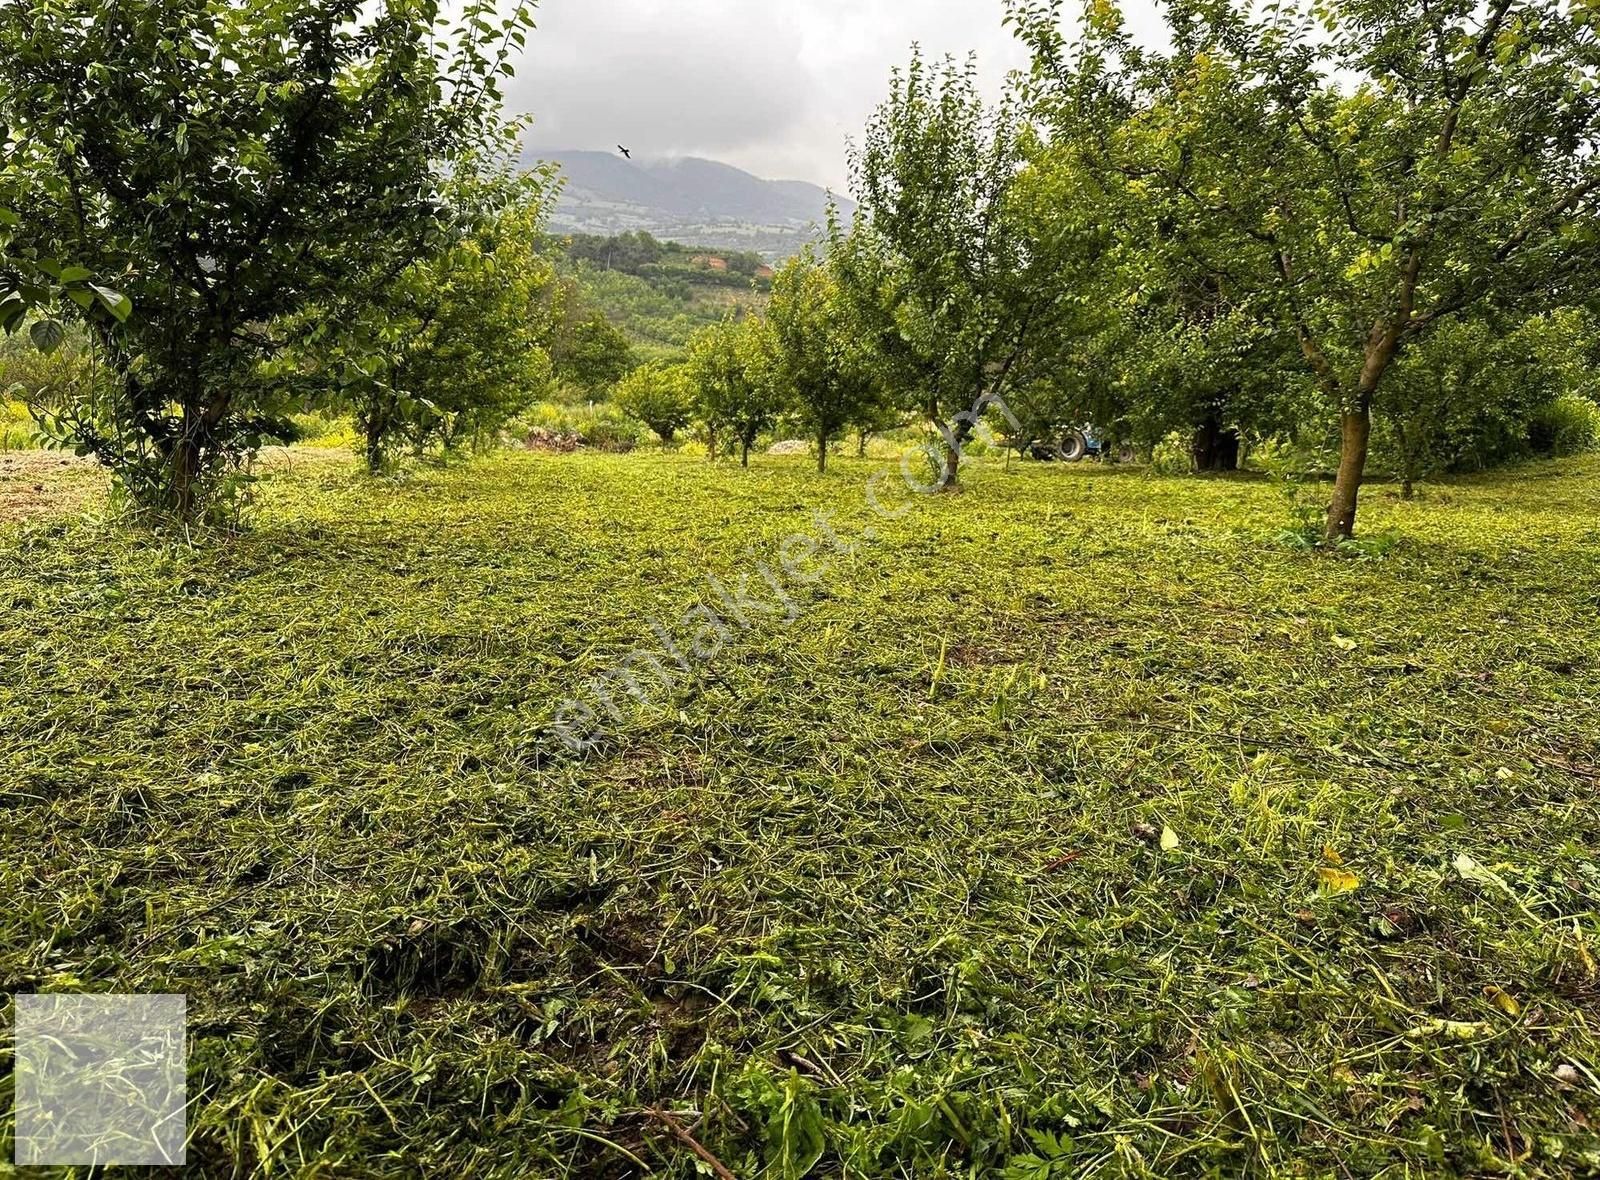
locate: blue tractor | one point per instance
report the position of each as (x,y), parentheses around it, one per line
(1069,444)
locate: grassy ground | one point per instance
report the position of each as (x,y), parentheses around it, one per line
(1073,827)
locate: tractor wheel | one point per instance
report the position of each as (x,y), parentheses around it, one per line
(1073,447)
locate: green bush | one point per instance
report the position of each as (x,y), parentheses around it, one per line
(600,425)
(613,432)
(1172,456)
(323,431)
(1286,458)
(1570,425)
(17,429)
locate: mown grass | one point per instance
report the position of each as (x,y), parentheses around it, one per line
(1075,827)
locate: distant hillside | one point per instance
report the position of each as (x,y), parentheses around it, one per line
(660,293)
(687,200)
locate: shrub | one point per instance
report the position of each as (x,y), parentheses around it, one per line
(1306,457)
(600,425)
(17,429)
(1569,425)
(1172,456)
(613,433)
(322,431)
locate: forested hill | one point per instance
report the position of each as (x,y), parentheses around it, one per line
(660,293)
(686,199)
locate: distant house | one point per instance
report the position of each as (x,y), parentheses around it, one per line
(710,262)
(764,272)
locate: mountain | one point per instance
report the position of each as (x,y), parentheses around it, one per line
(690,200)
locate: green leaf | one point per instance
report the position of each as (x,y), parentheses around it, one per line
(47,335)
(75,274)
(795,1133)
(115,302)
(1471,870)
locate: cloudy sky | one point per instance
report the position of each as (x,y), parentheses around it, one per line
(773,86)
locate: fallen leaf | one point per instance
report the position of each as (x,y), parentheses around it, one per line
(1334,881)
(1344,643)
(1169,839)
(1331,856)
(1503,1000)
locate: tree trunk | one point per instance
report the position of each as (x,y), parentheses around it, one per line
(711,442)
(1408,463)
(375,431)
(1355,430)
(952,469)
(1215,447)
(822,451)
(187,457)
(955,442)
(744,452)
(861,444)
(185,475)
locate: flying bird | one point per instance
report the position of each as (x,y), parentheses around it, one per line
(625,151)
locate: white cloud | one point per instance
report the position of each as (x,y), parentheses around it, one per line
(774,86)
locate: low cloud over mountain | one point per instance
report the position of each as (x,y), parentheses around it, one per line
(687,200)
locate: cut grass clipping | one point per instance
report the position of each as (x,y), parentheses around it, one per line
(1077,826)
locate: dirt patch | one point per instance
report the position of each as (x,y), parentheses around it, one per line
(42,484)
(38,485)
